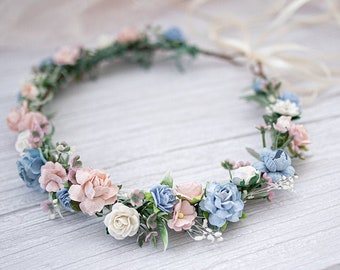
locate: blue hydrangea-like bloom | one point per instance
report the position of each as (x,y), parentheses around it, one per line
(223,202)
(291,97)
(29,167)
(164,198)
(276,163)
(64,199)
(174,34)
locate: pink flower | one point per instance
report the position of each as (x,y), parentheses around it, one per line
(283,124)
(29,91)
(33,119)
(136,198)
(15,118)
(75,164)
(183,217)
(301,138)
(94,191)
(191,191)
(128,35)
(53,177)
(36,136)
(67,55)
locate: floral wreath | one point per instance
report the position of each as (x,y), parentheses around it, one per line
(203,211)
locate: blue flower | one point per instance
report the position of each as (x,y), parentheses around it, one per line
(259,85)
(164,198)
(223,202)
(64,199)
(291,97)
(174,34)
(46,63)
(29,167)
(276,163)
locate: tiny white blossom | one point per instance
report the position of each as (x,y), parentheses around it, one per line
(22,142)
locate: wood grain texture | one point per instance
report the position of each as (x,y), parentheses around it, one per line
(139,124)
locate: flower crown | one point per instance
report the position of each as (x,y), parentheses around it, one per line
(203,211)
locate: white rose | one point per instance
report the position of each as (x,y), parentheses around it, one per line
(123,221)
(245,174)
(284,107)
(22,141)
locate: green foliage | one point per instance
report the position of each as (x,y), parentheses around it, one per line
(161,226)
(253,153)
(167,181)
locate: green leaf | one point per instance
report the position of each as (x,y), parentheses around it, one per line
(148,197)
(196,200)
(253,153)
(243,215)
(206,215)
(167,180)
(163,233)
(75,206)
(224,227)
(253,180)
(155,209)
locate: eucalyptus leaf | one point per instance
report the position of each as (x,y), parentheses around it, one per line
(253,153)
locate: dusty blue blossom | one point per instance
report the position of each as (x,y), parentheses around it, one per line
(164,198)
(259,85)
(276,163)
(223,203)
(291,97)
(29,167)
(174,34)
(64,199)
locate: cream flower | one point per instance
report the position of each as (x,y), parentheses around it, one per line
(29,91)
(283,124)
(245,174)
(23,141)
(122,221)
(94,191)
(53,177)
(284,107)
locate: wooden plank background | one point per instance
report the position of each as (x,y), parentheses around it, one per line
(137,125)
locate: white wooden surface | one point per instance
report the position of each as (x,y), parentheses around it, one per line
(139,124)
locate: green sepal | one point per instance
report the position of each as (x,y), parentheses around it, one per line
(224,227)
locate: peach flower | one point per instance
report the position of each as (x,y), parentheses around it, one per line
(190,191)
(128,35)
(67,55)
(30,91)
(15,118)
(94,191)
(301,138)
(183,217)
(53,177)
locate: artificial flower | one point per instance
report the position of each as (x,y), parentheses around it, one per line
(174,34)
(164,198)
(291,97)
(29,167)
(67,55)
(128,35)
(23,142)
(94,190)
(300,137)
(53,177)
(122,221)
(223,203)
(136,198)
(259,85)
(283,124)
(191,191)
(15,118)
(276,163)
(284,107)
(243,174)
(183,217)
(29,91)
(64,199)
